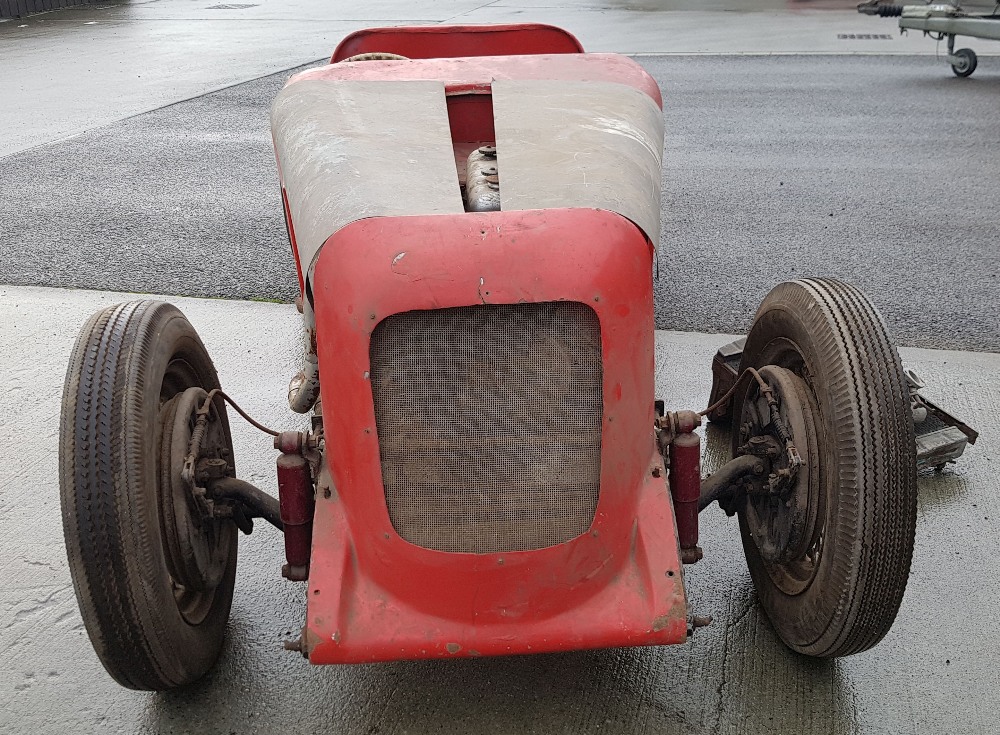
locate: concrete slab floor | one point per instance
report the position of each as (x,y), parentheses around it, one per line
(936,672)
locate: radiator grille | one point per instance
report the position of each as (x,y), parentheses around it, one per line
(489,424)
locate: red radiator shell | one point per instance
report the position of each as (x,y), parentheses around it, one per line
(372,595)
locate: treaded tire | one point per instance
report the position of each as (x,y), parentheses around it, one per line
(968,64)
(829,334)
(128,362)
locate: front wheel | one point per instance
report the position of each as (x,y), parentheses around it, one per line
(829,550)
(153,573)
(966,62)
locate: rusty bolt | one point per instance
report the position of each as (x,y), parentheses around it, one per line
(210,469)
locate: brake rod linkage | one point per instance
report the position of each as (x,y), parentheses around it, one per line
(258,503)
(729,480)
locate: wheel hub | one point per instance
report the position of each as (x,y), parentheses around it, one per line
(196,543)
(782,514)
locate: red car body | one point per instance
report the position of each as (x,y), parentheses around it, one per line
(377,592)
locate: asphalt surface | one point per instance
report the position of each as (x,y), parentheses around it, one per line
(936,671)
(877,170)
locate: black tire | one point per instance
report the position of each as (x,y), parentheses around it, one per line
(967,64)
(128,363)
(841,596)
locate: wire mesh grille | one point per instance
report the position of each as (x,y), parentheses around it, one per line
(489,424)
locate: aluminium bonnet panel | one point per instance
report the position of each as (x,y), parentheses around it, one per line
(579,144)
(351,150)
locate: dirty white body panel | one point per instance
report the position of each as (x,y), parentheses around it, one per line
(579,144)
(350,150)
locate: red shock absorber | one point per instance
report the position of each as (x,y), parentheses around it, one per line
(685,488)
(298,503)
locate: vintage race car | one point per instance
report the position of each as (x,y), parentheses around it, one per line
(474,213)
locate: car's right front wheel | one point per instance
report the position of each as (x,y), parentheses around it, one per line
(153,572)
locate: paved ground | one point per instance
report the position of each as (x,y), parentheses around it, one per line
(936,672)
(870,169)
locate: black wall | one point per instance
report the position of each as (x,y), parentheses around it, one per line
(21,8)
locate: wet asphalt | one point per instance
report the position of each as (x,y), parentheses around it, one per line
(875,169)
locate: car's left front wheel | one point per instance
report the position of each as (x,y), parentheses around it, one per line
(153,571)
